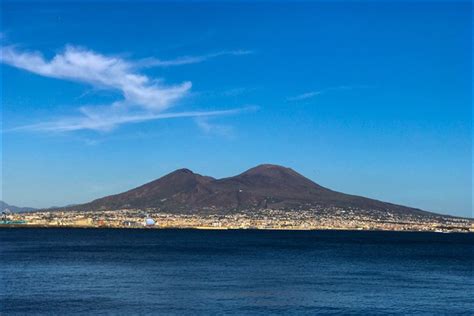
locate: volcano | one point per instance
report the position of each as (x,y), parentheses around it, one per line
(263,187)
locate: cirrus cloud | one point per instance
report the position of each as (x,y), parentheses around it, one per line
(144,98)
(312,94)
(186,60)
(98,121)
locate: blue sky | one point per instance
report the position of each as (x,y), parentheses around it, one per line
(362,97)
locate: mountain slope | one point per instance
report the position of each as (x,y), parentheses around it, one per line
(265,186)
(15,209)
(179,187)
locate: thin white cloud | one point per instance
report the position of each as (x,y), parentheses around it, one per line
(304,96)
(186,60)
(96,121)
(144,98)
(312,94)
(210,128)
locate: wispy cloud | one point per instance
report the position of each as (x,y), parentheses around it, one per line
(315,93)
(304,96)
(186,60)
(79,64)
(211,128)
(98,121)
(144,98)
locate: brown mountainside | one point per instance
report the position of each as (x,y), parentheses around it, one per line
(265,186)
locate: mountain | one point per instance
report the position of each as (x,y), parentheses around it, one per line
(265,186)
(15,209)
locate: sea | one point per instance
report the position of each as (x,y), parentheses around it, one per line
(238,272)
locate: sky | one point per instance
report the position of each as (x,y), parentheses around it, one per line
(367,98)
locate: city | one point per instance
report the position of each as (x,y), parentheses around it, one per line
(332,218)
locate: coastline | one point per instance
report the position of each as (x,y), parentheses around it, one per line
(268,219)
(200,228)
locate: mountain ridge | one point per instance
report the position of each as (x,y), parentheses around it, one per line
(260,187)
(15,209)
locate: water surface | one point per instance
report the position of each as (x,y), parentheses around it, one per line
(65,271)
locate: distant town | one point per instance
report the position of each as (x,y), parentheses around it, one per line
(331,218)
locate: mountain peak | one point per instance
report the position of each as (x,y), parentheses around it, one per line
(183,170)
(269,169)
(269,166)
(182,175)
(15,209)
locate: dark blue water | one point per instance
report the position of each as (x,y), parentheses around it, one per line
(65,271)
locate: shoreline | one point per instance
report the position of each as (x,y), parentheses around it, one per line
(198,228)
